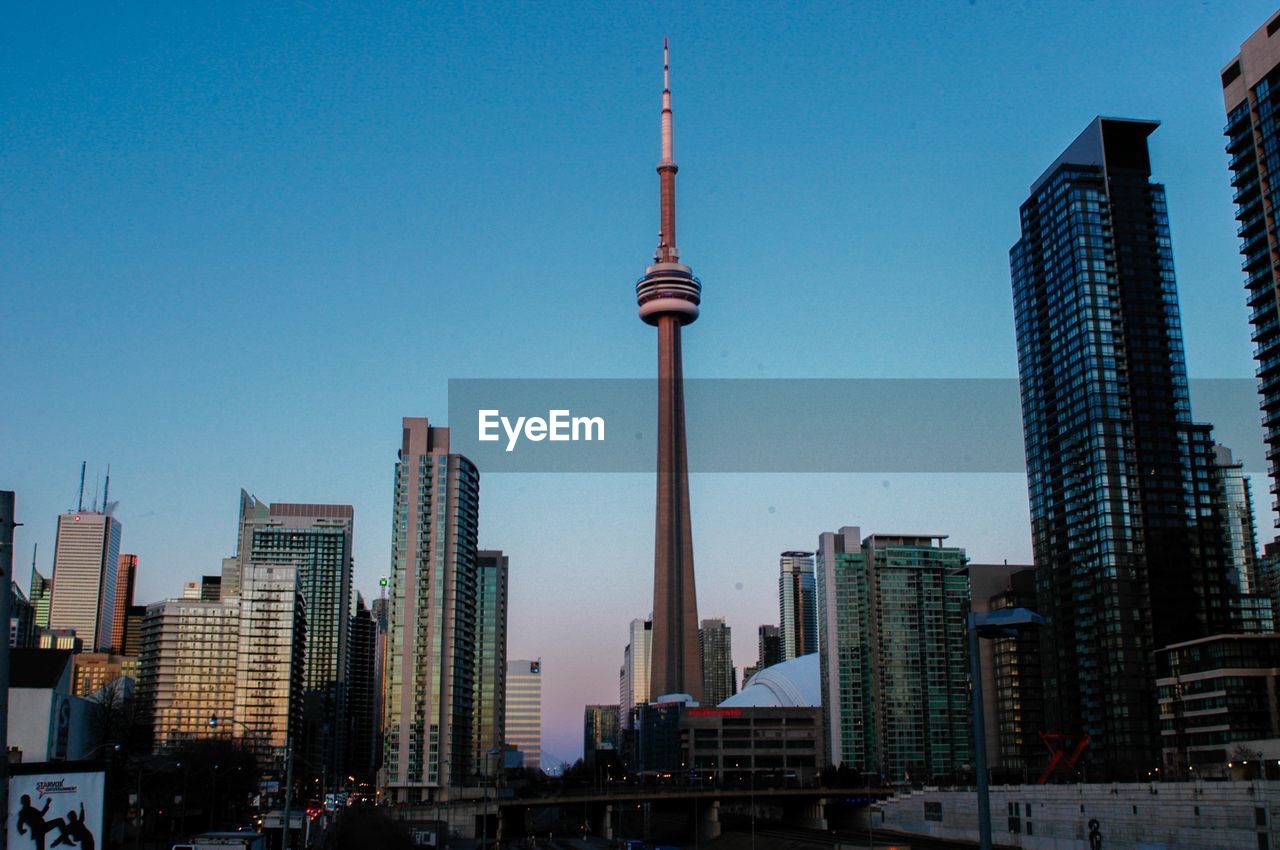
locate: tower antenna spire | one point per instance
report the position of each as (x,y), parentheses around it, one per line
(667,251)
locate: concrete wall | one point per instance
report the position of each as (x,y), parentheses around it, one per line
(1134,816)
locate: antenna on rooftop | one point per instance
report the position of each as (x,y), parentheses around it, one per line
(80,502)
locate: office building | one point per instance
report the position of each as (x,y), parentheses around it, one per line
(1251,93)
(668,296)
(768,650)
(633,677)
(1214,694)
(41,594)
(489,700)
(316,540)
(63,639)
(1126,520)
(893,661)
(126,577)
(270,663)
(187,669)
(362,697)
(797,612)
(715,641)
(21,618)
(93,671)
(524,710)
(85,558)
(1254,610)
(430,684)
(1012,684)
(133,630)
(379,612)
(745,746)
(600,734)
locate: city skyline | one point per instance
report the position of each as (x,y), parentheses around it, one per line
(172,516)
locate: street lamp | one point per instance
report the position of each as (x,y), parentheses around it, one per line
(1004,622)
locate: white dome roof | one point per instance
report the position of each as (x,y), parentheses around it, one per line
(791,684)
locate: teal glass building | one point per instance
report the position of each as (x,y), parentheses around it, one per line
(892,654)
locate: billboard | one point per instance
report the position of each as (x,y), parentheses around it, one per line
(49,807)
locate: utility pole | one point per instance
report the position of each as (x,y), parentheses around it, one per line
(7,525)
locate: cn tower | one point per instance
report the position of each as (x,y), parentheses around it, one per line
(668,296)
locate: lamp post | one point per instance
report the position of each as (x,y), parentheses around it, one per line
(1004,622)
(214,720)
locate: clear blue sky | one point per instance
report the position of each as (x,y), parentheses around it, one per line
(238,243)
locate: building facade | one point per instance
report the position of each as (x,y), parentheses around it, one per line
(633,678)
(797,605)
(768,649)
(719,679)
(270,662)
(362,695)
(85,559)
(40,596)
(489,726)
(1215,693)
(316,540)
(524,710)
(1251,94)
(431,618)
(1127,527)
(600,733)
(126,577)
(893,662)
(187,669)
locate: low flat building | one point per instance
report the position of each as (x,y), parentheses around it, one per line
(1115,816)
(767,745)
(95,670)
(1214,694)
(47,722)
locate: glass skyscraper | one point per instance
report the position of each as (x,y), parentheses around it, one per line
(715,641)
(633,677)
(488,728)
(894,668)
(431,619)
(797,614)
(1127,527)
(317,540)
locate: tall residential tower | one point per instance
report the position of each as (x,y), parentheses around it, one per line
(1127,528)
(1251,92)
(797,612)
(430,657)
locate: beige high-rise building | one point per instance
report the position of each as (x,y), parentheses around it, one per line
(187,669)
(270,656)
(85,559)
(431,619)
(524,710)
(238,659)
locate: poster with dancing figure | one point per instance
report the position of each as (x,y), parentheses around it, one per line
(56,808)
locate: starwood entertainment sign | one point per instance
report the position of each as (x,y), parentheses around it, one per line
(55,806)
